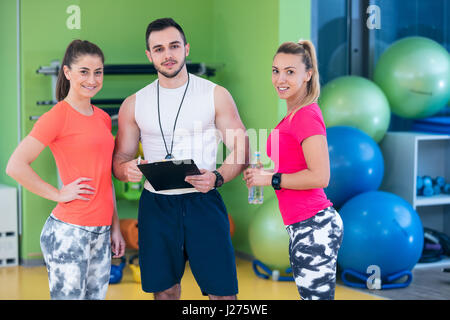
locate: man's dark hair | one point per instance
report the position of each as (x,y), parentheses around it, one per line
(161,24)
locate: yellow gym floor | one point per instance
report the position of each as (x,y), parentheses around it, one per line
(30,283)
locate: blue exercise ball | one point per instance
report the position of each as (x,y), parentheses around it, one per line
(356,164)
(381,229)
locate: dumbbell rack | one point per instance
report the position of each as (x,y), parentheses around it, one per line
(432,188)
(408,155)
(411,154)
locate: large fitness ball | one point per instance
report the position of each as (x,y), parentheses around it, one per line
(268,238)
(381,229)
(356,164)
(356,102)
(414,73)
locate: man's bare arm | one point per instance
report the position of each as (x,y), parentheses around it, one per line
(234,134)
(127,143)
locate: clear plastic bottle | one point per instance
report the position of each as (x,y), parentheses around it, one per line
(256,193)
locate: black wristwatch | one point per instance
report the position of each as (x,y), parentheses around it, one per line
(276,181)
(219,179)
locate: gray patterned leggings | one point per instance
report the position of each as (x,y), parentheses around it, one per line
(313,248)
(78,259)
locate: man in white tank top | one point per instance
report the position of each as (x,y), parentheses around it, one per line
(181,116)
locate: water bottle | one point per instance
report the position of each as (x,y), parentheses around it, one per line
(256,193)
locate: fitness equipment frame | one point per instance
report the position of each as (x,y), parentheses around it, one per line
(115,69)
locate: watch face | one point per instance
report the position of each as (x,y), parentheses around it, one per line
(276,180)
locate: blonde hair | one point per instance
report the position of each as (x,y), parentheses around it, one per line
(307,51)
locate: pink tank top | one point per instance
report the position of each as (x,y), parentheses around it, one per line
(284,147)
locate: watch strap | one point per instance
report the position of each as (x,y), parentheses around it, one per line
(219,179)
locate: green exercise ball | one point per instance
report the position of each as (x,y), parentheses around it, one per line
(268,238)
(414,73)
(355,102)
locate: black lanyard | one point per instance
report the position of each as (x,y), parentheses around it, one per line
(169,154)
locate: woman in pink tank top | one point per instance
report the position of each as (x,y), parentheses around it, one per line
(298,147)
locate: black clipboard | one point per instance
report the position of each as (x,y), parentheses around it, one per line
(169,174)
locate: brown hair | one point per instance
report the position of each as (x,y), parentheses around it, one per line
(161,24)
(74,51)
(306,50)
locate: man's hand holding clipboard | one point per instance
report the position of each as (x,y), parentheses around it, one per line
(204,182)
(177,174)
(132,171)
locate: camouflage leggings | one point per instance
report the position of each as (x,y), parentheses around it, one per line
(313,248)
(78,259)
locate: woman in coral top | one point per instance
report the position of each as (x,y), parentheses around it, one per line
(83,228)
(298,147)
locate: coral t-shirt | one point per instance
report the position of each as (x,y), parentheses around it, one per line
(284,147)
(83,147)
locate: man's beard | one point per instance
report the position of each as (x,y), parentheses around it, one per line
(174,73)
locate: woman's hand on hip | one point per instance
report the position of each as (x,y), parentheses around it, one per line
(76,191)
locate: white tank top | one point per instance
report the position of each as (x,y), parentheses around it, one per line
(195,135)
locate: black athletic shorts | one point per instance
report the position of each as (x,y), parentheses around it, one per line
(176,228)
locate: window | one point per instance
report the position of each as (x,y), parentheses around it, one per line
(350,43)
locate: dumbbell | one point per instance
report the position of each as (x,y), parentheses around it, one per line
(419,183)
(446,188)
(439,181)
(427,191)
(135,270)
(427,181)
(427,186)
(424,186)
(439,184)
(117,271)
